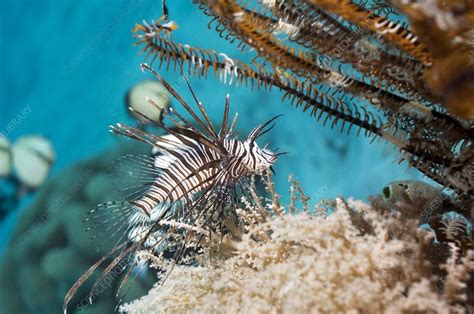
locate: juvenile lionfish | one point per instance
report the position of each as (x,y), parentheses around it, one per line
(198,173)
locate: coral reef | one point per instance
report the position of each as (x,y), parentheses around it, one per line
(360,257)
(49,248)
(371,66)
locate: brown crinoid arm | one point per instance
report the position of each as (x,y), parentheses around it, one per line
(327,36)
(322,35)
(256,30)
(328,40)
(249,29)
(199,62)
(389,30)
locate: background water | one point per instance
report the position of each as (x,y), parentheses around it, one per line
(72,62)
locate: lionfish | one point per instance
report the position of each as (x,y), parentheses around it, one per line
(197,174)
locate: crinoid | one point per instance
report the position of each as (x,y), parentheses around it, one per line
(396,70)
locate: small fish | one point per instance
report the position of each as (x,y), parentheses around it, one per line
(422,197)
(198,175)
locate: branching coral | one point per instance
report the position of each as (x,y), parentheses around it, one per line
(360,257)
(390,68)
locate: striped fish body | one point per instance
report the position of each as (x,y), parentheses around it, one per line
(180,176)
(185,171)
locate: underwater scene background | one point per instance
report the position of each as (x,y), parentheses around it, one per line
(66,71)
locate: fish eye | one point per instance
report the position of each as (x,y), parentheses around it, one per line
(386,192)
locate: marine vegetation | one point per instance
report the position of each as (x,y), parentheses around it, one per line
(300,259)
(398,70)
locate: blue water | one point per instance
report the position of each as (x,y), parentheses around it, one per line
(72,62)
